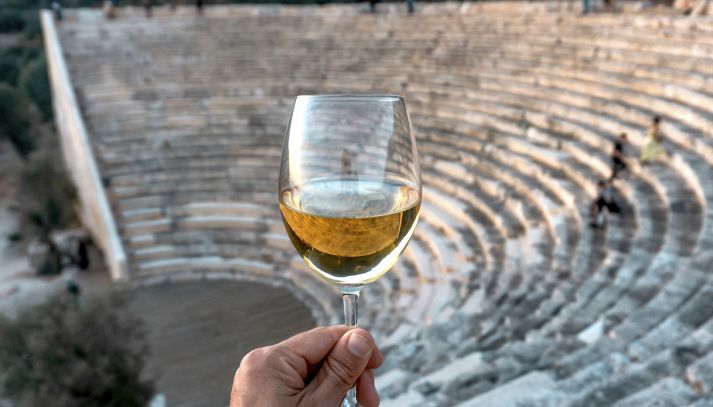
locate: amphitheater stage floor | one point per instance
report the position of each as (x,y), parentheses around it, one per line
(199,331)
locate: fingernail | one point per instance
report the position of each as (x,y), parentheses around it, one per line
(358,345)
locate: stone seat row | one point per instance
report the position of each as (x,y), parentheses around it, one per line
(618,27)
(706,150)
(682,112)
(445,47)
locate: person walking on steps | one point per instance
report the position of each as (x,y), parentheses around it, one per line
(653,149)
(618,156)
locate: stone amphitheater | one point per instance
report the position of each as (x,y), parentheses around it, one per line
(505,296)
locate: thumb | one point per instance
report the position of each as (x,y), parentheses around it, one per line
(341,369)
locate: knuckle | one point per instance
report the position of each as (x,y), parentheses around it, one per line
(265,360)
(273,355)
(253,359)
(339,372)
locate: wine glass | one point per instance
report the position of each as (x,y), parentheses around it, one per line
(350,189)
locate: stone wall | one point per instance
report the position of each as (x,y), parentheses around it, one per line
(96,214)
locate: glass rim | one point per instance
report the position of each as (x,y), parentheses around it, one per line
(382,97)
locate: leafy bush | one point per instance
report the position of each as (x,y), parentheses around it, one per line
(51,265)
(70,353)
(48,200)
(34,83)
(13,121)
(11,21)
(9,69)
(47,195)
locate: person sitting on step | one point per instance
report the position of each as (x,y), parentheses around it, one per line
(603,200)
(109,9)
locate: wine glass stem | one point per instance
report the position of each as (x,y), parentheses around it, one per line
(351,305)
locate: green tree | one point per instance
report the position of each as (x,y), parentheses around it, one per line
(13,121)
(66,353)
(9,69)
(35,84)
(46,201)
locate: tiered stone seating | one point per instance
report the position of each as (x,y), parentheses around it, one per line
(505,295)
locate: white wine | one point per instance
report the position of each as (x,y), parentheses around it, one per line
(350,230)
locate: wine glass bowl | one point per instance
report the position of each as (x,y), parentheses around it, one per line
(350,188)
(350,184)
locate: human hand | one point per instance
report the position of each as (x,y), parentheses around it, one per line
(313,368)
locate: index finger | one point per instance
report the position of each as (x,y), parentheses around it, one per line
(314,345)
